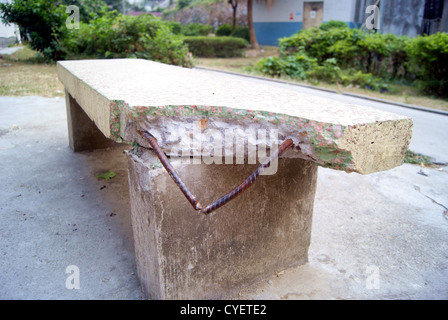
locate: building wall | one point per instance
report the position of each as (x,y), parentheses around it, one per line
(9,33)
(444,23)
(284,18)
(402,17)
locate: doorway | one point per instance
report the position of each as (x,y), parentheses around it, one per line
(313,13)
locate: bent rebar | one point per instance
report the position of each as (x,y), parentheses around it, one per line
(172,172)
(224,199)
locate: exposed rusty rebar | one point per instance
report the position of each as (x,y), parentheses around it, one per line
(249,181)
(228,197)
(163,158)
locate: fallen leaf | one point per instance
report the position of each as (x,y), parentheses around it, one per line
(106,176)
(280,273)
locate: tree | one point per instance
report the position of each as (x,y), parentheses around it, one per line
(42,21)
(87,8)
(181,4)
(234,4)
(118,5)
(250,20)
(250,25)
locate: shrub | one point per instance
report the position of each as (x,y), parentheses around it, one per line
(241,32)
(428,57)
(224,30)
(345,55)
(221,47)
(181,4)
(108,35)
(303,67)
(328,71)
(367,81)
(272,66)
(295,66)
(196,29)
(174,26)
(333,24)
(119,36)
(42,20)
(381,55)
(315,42)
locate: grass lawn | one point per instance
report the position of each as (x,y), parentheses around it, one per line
(22,74)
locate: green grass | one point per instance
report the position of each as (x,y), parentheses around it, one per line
(417,158)
(25,74)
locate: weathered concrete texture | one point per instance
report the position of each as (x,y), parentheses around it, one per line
(54,213)
(123,95)
(83,134)
(182,254)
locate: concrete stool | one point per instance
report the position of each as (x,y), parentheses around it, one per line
(214,131)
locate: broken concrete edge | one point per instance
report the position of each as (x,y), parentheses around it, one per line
(329,145)
(333,145)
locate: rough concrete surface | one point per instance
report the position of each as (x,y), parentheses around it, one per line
(125,95)
(182,254)
(380,236)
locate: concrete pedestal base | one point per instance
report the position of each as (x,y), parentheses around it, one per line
(183,254)
(83,134)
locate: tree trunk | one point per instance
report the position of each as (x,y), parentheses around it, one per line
(250,24)
(234,7)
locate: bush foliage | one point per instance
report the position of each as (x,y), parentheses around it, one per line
(196,29)
(40,20)
(336,53)
(221,47)
(190,29)
(226,30)
(428,61)
(115,35)
(102,33)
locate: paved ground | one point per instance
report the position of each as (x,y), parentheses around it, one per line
(381,236)
(6,50)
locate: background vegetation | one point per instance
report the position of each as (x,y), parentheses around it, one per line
(115,35)
(220,47)
(338,54)
(103,33)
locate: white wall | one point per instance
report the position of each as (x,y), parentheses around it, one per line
(343,10)
(8,33)
(279,12)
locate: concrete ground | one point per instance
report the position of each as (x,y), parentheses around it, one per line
(380,236)
(7,50)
